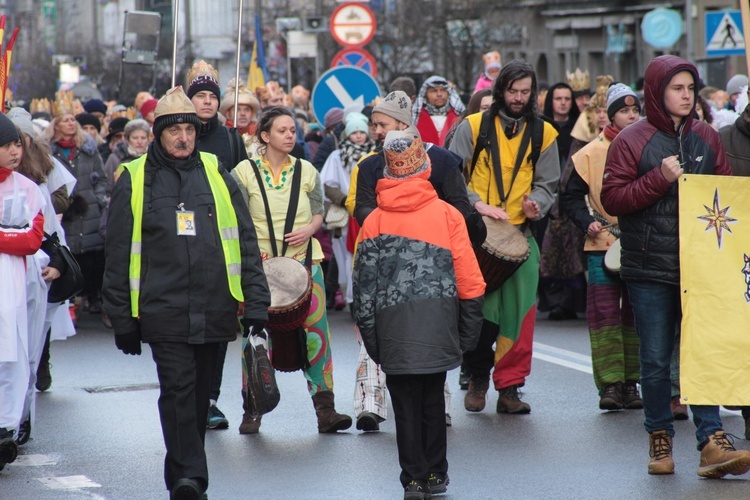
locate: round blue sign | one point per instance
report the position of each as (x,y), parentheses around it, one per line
(661,28)
(342,87)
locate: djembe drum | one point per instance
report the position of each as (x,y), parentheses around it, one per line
(502,253)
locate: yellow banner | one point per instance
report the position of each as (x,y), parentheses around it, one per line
(715,280)
(255,76)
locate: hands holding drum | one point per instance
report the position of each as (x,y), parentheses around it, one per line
(671,168)
(529,206)
(490,211)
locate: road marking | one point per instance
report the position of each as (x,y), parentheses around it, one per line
(33,461)
(342,95)
(562,357)
(68,482)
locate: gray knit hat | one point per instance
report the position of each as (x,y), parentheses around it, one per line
(22,119)
(397,105)
(735,84)
(620,95)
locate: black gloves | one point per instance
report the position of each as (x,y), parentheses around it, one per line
(252,326)
(129,343)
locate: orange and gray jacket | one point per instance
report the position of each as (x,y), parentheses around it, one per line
(418,290)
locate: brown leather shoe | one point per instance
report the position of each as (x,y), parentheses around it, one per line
(660,451)
(719,457)
(679,410)
(476,394)
(508,401)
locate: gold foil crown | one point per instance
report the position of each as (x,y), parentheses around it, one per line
(579,80)
(402,161)
(64,104)
(599,100)
(40,106)
(202,70)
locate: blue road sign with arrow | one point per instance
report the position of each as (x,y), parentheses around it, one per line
(343,87)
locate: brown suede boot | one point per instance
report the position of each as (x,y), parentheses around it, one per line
(328,420)
(476,394)
(660,451)
(508,401)
(719,458)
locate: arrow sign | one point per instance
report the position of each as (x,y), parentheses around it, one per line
(342,87)
(341,93)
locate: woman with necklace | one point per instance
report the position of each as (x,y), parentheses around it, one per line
(266,183)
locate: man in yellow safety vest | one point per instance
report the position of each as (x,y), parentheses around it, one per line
(181,254)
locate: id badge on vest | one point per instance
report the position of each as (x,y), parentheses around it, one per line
(185,222)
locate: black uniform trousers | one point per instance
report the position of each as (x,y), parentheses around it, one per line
(185,372)
(419,411)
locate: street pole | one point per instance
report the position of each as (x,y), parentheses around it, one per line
(745,6)
(237,72)
(689,30)
(175,19)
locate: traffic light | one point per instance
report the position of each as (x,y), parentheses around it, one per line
(315,24)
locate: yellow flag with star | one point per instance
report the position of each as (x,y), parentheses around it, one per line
(715,284)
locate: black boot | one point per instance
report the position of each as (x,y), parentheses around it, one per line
(43,375)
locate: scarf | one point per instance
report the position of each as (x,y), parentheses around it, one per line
(68,147)
(159,158)
(454,100)
(610,132)
(351,152)
(249,130)
(4,174)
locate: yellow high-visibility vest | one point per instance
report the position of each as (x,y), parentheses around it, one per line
(225,217)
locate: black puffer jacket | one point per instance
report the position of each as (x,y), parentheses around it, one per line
(185,293)
(81,219)
(224,142)
(736,141)
(635,190)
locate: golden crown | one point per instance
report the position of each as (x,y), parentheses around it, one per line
(579,80)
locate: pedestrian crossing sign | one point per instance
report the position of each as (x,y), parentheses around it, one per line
(724,33)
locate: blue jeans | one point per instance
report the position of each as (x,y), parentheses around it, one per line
(658,313)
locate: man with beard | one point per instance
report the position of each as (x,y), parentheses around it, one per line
(394,113)
(436,109)
(523,192)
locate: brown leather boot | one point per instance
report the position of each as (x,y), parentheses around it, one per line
(328,420)
(719,458)
(249,424)
(476,394)
(508,401)
(660,451)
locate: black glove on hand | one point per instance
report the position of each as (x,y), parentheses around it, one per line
(252,326)
(129,343)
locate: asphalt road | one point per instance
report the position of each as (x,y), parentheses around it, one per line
(97,435)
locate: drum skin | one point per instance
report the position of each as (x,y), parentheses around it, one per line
(290,284)
(502,253)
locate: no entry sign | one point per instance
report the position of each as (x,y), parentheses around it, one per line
(353,25)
